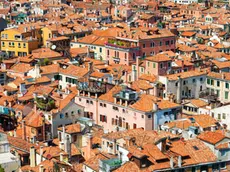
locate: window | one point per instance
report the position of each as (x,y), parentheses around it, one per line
(223,165)
(66,115)
(87,101)
(91,102)
(161,65)
(219,116)
(218,83)
(160,43)
(167,43)
(101,104)
(134,126)
(152,44)
(104,105)
(223,116)
(201,88)
(154,65)
(149,116)
(226,85)
(144,55)
(103,118)
(3,35)
(100,50)
(79,99)
(218,93)
(143,45)
(24,45)
(108,52)
(201,79)
(115,108)
(212,82)
(213,114)
(61,116)
(208,81)
(172,42)
(3,44)
(194,80)
(226,95)
(142,116)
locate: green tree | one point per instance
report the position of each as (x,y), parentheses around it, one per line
(1,169)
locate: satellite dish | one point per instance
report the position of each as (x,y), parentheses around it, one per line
(53,47)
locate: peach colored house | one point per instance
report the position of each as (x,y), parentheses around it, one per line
(142,42)
(120,109)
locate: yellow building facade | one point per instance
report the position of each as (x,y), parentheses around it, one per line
(17,43)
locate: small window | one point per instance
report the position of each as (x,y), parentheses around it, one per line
(223,165)
(101,104)
(201,79)
(226,95)
(87,101)
(226,85)
(160,43)
(208,81)
(104,105)
(194,80)
(223,116)
(142,116)
(218,83)
(143,45)
(61,116)
(79,99)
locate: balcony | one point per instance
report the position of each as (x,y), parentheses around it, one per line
(120,44)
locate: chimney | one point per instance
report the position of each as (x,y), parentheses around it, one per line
(61,157)
(137,67)
(41,153)
(115,100)
(223,76)
(23,130)
(32,157)
(178,98)
(68,146)
(44,128)
(90,65)
(89,145)
(41,168)
(37,71)
(179,161)
(155,107)
(15,134)
(63,133)
(75,39)
(182,64)
(171,162)
(62,146)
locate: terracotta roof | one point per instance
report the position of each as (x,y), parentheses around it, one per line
(141,85)
(74,71)
(145,103)
(188,34)
(73,128)
(212,137)
(223,146)
(93,162)
(43,53)
(147,77)
(158,58)
(35,119)
(187,74)
(21,67)
(198,102)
